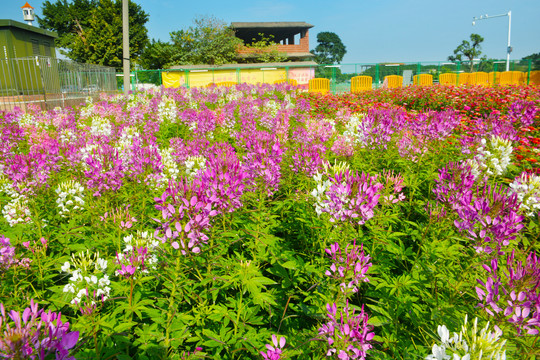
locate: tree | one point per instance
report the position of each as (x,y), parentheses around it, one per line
(470,50)
(208,41)
(535,60)
(330,49)
(156,55)
(90,31)
(264,49)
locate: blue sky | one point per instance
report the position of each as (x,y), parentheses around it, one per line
(372,30)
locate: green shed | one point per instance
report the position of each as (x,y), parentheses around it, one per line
(19,40)
(27,59)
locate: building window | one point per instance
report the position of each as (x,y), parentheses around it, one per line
(35,47)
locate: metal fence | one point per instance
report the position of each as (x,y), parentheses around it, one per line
(48,82)
(340,75)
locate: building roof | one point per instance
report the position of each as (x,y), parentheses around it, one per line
(27,5)
(245,66)
(300,25)
(289,55)
(12,23)
(247,31)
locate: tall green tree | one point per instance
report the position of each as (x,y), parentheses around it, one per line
(468,50)
(330,49)
(209,41)
(90,31)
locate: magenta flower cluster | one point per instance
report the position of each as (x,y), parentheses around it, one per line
(35,334)
(487,215)
(351,197)
(348,334)
(7,255)
(186,213)
(131,262)
(522,112)
(261,163)
(515,295)
(274,352)
(348,267)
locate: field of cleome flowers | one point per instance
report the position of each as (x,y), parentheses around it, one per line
(260,222)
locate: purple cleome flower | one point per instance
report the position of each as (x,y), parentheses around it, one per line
(350,268)
(514,296)
(35,335)
(348,335)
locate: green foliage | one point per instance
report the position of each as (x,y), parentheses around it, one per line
(535,59)
(468,50)
(330,49)
(156,55)
(90,31)
(264,49)
(209,41)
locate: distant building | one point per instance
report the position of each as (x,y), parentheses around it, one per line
(21,40)
(291,38)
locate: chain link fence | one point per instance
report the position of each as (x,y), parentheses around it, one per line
(46,82)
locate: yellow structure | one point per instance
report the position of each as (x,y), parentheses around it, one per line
(494,77)
(511,78)
(423,79)
(463,79)
(267,73)
(319,85)
(479,78)
(361,83)
(394,81)
(535,78)
(448,79)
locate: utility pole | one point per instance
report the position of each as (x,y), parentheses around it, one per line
(125,37)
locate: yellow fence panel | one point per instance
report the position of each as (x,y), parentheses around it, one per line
(319,85)
(361,83)
(394,81)
(535,78)
(448,79)
(423,79)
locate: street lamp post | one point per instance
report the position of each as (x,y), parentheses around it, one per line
(508,48)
